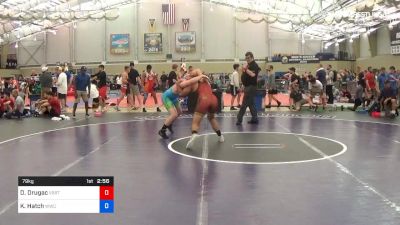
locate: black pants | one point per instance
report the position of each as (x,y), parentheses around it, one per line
(248,101)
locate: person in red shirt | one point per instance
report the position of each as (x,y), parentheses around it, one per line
(50,105)
(371,84)
(2,107)
(8,103)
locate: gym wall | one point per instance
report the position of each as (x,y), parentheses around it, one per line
(219,37)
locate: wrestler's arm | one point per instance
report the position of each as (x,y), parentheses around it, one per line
(192,81)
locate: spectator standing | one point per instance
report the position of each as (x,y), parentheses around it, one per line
(321,76)
(124,86)
(82,84)
(271,86)
(62,86)
(382,78)
(134,81)
(46,81)
(235,86)
(163,81)
(173,75)
(150,82)
(371,84)
(101,78)
(394,80)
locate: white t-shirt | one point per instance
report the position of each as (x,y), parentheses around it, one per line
(317,87)
(330,77)
(119,80)
(94,93)
(19,103)
(62,83)
(235,79)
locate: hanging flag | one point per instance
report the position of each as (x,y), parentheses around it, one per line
(185,23)
(168,14)
(152,25)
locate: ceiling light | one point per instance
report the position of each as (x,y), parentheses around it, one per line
(16,44)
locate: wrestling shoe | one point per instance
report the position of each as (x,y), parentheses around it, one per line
(252,122)
(221,139)
(190,143)
(170,129)
(163,133)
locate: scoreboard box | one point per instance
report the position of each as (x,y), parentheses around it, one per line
(65,194)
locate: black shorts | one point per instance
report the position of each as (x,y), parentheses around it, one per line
(296,96)
(358,102)
(52,113)
(96,100)
(234,90)
(272,91)
(62,96)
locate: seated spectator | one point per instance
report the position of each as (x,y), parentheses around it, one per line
(388,99)
(2,106)
(316,88)
(297,97)
(94,95)
(359,99)
(50,105)
(8,103)
(19,105)
(345,95)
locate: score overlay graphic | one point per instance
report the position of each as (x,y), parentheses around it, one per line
(65,194)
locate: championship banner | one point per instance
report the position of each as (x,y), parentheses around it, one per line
(302,59)
(152,25)
(119,44)
(395,40)
(185,42)
(152,42)
(185,24)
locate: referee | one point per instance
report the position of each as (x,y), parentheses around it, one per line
(249,80)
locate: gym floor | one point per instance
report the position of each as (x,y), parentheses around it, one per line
(292,168)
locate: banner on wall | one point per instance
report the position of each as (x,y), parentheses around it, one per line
(119,44)
(395,40)
(185,42)
(152,42)
(304,59)
(152,25)
(185,24)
